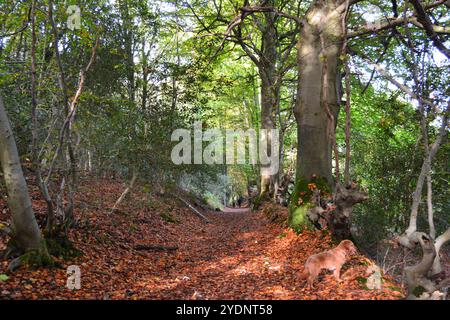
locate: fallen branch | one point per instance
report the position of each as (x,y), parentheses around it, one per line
(125,192)
(141,247)
(194,210)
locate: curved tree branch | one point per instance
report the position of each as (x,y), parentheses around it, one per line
(425,20)
(416,276)
(415,19)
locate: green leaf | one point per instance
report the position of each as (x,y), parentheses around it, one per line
(283,235)
(3,277)
(361,280)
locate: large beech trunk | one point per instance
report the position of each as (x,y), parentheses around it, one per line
(314,143)
(25,231)
(321,40)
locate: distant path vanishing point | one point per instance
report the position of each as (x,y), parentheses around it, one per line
(236,210)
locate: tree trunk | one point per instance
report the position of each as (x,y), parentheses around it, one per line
(145,72)
(440,241)
(128,38)
(323,22)
(314,144)
(419,284)
(345,198)
(35,125)
(424,171)
(269,92)
(430,205)
(277,176)
(416,276)
(25,231)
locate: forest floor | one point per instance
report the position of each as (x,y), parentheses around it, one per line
(239,255)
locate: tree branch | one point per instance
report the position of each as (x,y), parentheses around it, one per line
(393,21)
(395,82)
(424,19)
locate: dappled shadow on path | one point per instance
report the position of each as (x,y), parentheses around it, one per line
(243,256)
(239,255)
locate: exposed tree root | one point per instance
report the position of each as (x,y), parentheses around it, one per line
(335,214)
(420,286)
(307,195)
(416,276)
(35,258)
(61,246)
(345,198)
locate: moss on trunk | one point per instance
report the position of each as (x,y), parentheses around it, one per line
(61,246)
(258,201)
(300,201)
(32,258)
(38,258)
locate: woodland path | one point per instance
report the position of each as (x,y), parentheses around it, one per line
(236,210)
(239,255)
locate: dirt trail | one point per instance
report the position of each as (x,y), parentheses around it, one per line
(239,255)
(236,210)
